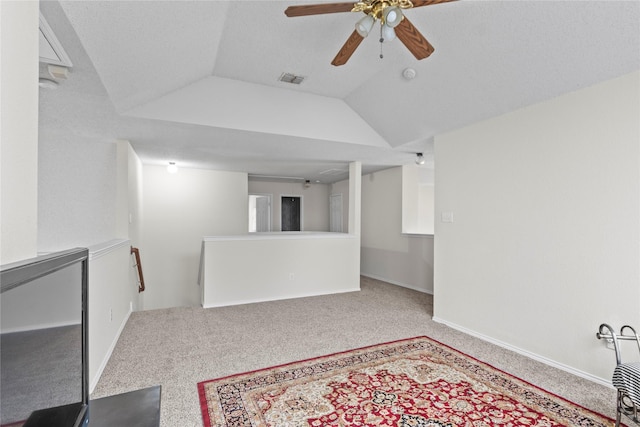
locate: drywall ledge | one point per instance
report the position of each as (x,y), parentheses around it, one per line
(273,266)
(111,298)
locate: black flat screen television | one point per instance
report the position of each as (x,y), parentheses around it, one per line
(43,341)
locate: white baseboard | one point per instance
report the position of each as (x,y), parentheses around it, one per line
(527,353)
(107,356)
(395,282)
(279,298)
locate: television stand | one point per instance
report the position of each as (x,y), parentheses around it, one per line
(139,408)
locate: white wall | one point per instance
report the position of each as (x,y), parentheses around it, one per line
(77,191)
(18,130)
(81,176)
(315,202)
(135,213)
(122,188)
(342,187)
(545,240)
(387,254)
(417,199)
(129,209)
(179,210)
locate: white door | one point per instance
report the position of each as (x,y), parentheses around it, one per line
(259,212)
(263,213)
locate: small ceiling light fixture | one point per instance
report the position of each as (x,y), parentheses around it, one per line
(419,159)
(409,74)
(172,168)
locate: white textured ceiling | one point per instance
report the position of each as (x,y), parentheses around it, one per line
(150,72)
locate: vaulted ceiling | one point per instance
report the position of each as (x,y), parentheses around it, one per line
(197,82)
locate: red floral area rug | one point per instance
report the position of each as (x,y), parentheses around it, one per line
(411,383)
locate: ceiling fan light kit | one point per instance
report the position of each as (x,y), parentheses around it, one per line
(388,34)
(364,25)
(393,23)
(391,16)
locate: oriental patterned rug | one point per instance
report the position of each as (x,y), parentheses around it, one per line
(417,382)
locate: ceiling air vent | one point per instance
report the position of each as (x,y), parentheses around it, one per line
(291,78)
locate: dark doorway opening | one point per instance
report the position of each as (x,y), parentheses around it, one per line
(291,213)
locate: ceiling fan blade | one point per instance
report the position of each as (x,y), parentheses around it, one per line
(317,9)
(413,40)
(347,49)
(419,3)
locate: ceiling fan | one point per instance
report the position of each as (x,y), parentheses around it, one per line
(392,23)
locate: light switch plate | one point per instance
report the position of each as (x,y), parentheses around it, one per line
(446,217)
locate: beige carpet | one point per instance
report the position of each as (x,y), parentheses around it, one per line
(177,348)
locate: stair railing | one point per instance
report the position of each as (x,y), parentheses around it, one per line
(138,265)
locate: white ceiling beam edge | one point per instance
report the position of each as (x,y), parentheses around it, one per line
(233,104)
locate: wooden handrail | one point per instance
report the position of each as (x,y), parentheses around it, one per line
(138,265)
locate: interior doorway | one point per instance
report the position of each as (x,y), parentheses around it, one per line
(291,213)
(259,213)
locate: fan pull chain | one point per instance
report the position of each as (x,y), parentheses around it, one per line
(381,42)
